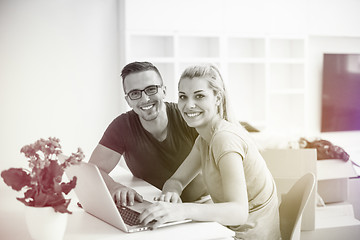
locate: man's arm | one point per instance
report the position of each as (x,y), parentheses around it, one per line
(106,160)
(186,172)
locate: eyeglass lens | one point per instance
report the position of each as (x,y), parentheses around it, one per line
(150,90)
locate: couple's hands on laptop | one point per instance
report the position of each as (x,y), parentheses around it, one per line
(160,212)
(172,197)
(125,196)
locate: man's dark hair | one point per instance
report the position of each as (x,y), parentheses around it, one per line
(136,67)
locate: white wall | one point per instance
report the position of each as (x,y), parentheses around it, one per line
(59,73)
(240,16)
(333,17)
(325,17)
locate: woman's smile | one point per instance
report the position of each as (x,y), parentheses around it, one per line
(192,114)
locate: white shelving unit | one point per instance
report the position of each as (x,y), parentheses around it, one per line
(286,83)
(265,75)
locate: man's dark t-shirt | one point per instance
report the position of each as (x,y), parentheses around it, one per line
(149,159)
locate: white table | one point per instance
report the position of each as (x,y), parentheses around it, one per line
(82,225)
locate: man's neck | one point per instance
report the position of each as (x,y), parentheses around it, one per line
(158,126)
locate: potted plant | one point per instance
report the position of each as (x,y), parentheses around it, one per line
(42,183)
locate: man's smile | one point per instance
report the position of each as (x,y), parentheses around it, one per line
(147,107)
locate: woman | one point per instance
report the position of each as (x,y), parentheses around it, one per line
(240,185)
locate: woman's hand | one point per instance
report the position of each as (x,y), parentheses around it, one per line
(162,212)
(172,197)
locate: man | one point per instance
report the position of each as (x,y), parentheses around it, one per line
(152,137)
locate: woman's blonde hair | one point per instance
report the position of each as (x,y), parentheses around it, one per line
(216,82)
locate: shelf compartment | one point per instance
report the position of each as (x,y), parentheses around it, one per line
(198,47)
(167,72)
(287,48)
(183,65)
(286,76)
(246,60)
(290,108)
(248,91)
(287,91)
(248,48)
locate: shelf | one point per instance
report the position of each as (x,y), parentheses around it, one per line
(290,108)
(247,81)
(167,72)
(183,65)
(286,76)
(288,60)
(287,91)
(265,75)
(287,48)
(239,47)
(196,47)
(247,60)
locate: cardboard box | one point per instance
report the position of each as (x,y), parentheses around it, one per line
(289,165)
(335,221)
(333,179)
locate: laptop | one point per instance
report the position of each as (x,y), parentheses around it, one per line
(96,200)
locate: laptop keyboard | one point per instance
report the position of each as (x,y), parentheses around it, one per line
(129,216)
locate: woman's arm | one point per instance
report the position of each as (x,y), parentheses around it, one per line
(233,211)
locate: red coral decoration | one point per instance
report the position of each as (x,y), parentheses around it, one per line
(43,184)
(16,178)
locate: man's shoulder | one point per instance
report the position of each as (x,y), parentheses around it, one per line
(171,106)
(124,119)
(172,109)
(126,115)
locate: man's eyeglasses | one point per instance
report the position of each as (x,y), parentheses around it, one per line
(150,90)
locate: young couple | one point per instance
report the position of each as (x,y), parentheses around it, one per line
(160,145)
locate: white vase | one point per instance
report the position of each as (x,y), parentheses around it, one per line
(44,223)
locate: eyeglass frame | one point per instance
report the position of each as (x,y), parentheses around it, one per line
(144,90)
